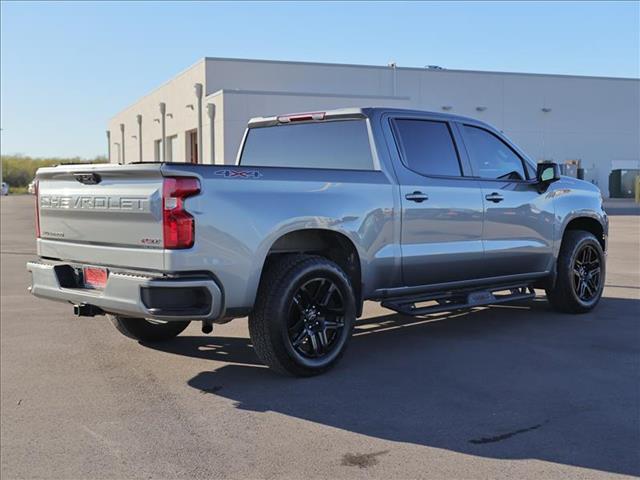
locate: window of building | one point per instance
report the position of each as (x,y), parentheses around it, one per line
(332,144)
(491,157)
(427,147)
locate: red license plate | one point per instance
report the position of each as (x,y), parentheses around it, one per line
(95,277)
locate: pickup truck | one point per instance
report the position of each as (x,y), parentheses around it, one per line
(423,212)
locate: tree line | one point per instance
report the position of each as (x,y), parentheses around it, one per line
(19,170)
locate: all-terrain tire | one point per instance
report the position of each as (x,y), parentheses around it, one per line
(147,330)
(565,296)
(268,323)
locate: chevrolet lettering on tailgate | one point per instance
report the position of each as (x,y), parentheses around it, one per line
(86,202)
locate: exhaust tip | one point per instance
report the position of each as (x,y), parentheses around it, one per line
(207,327)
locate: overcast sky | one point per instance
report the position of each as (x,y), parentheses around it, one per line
(66,68)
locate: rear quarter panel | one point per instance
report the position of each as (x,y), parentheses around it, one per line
(240,216)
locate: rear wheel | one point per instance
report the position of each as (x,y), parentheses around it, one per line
(304,315)
(580,275)
(147,330)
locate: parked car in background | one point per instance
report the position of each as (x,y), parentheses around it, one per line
(423,212)
(4,189)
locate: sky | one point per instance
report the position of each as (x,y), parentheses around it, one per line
(66,68)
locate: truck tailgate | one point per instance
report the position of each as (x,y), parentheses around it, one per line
(103,214)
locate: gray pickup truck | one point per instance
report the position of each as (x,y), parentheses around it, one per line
(423,212)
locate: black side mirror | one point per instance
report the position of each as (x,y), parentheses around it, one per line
(547,172)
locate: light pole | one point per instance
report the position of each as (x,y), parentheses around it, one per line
(211,111)
(163,111)
(198,91)
(139,120)
(122,146)
(109,146)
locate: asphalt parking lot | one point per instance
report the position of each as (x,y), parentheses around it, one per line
(502,392)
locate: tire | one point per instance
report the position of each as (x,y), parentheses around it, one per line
(304,315)
(568,295)
(145,330)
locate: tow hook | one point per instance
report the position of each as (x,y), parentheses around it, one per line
(207,326)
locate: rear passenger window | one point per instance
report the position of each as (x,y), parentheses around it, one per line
(334,144)
(427,147)
(491,157)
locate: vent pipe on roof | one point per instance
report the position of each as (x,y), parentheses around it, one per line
(394,79)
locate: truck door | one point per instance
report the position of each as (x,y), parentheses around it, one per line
(441,233)
(518,219)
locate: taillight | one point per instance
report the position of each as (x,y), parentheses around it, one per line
(301,117)
(37,216)
(178,225)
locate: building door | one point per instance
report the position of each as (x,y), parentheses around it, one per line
(170,143)
(192,146)
(157,150)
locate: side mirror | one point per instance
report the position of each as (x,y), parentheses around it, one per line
(547,172)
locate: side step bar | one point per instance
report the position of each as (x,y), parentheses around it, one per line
(458,300)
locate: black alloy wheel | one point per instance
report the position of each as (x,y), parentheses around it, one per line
(316,318)
(586,273)
(303,316)
(580,273)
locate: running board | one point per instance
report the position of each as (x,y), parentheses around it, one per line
(458,300)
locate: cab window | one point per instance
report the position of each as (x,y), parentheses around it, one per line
(333,144)
(427,147)
(491,158)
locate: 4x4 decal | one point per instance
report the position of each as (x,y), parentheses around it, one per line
(239,173)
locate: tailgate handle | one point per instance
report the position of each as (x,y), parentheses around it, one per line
(88,178)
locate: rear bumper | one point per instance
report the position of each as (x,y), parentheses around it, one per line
(134,295)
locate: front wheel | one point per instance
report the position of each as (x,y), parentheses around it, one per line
(304,315)
(145,330)
(580,274)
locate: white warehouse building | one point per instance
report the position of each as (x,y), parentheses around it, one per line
(200,115)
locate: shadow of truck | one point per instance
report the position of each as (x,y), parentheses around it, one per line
(509,382)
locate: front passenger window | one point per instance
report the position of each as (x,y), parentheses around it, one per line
(491,157)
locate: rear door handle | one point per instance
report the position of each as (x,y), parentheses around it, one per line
(494,197)
(417,196)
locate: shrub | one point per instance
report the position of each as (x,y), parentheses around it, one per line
(19,170)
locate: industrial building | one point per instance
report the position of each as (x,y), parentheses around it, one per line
(591,123)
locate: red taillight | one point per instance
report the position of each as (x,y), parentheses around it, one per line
(178,225)
(37,195)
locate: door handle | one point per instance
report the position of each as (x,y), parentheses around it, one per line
(494,197)
(417,196)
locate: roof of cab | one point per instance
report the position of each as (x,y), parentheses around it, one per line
(353,112)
